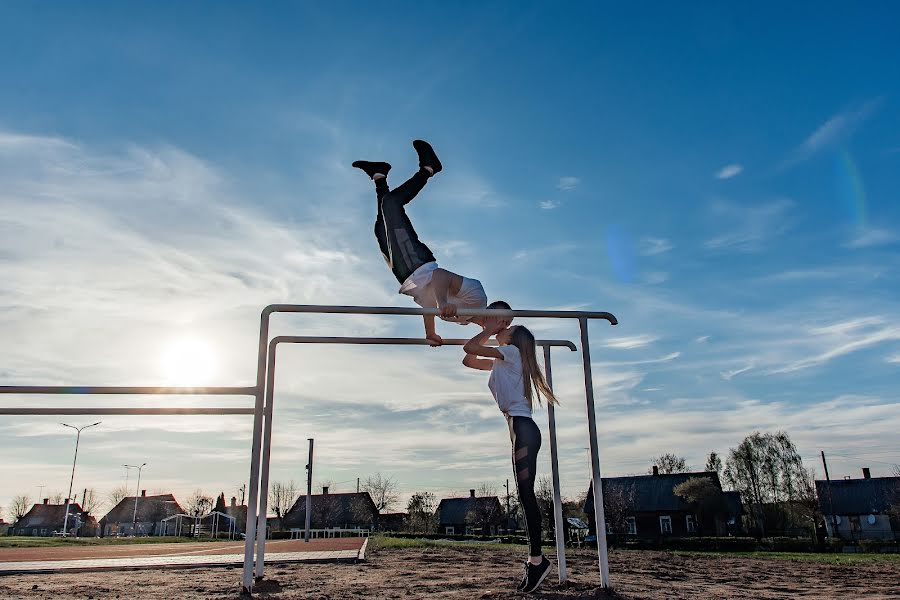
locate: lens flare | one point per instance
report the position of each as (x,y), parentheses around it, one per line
(849,188)
(621,254)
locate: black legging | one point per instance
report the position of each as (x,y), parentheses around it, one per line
(526,442)
(397,239)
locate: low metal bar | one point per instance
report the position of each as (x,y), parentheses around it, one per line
(375,341)
(127,390)
(127,411)
(554,468)
(463,312)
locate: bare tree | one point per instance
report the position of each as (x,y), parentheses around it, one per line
(669,463)
(895,471)
(421,509)
(326,483)
(485,513)
(383,491)
(713,464)
(618,504)
(198,504)
(91,502)
(704,496)
(117,494)
(544,493)
(57,498)
(19,507)
(282,497)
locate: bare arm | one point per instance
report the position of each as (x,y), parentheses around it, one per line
(433,338)
(480,364)
(442,281)
(476,347)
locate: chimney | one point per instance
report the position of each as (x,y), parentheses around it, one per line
(866,473)
(324,490)
(233,501)
(143,493)
(46,500)
(655,470)
(471,493)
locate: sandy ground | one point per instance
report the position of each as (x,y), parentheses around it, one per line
(416,574)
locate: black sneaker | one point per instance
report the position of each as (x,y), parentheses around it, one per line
(371,168)
(524,581)
(536,575)
(427,157)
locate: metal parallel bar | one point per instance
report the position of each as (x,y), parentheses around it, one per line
(554,468)
(599,516)
(123,390)
(266,459)
(305,339)
(467,312)
(126,411)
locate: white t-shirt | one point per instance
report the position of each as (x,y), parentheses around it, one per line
(506,383)
(418,286)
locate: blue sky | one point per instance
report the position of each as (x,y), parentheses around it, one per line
(724,180)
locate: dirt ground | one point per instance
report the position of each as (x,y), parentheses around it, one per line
(464,573)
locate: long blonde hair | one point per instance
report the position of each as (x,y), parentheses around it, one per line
(532,377)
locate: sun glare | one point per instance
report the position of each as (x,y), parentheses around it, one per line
(189,362)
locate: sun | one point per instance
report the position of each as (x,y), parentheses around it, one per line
(189,362)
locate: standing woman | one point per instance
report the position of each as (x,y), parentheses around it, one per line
(516,381)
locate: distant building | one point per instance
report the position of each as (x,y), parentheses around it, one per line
(139,516)
(47,519)
(470,516)
(5,528)
(860,507)
(239,513)
(646,506)
(393,521)
(352,510)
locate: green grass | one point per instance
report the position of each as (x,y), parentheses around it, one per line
(820,557)
(52,542)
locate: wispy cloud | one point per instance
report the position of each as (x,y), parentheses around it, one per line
(549,204)
(568,183)
(655,277)
(749,225)
(894,359)
(832,132)
(841,339)
(544,251)
(728,375)
(868,237)
(729,171)
(631,342)
(651,246)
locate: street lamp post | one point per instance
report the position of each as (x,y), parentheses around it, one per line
(134,515)
(72,479)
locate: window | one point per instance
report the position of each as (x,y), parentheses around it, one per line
(609,528)
(449,531)
(44,531)
(631,524)
(691,524)
(665,524)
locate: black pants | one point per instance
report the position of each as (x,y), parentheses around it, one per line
(526,442)
(397,239)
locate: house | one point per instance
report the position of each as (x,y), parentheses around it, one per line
(470,516)
(48,519)
(647,506)
(351,510)
(239,513)
(858,509)
(140,515)
(5,528)
(393,521)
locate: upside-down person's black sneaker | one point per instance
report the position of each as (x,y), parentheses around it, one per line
(372,168)
(536,575)
(427,157)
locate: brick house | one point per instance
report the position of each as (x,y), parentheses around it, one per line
(861,507)
(646,506)
(470,515)
(47,519)
(151,510)
(349,510)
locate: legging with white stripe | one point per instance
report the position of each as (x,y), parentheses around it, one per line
(526,442)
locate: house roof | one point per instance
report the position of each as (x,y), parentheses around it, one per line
(858,496)
(48,515)
(349,507)
(651,492)
(454,510)
(149,508)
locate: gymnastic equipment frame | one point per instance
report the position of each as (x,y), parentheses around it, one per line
(264,396)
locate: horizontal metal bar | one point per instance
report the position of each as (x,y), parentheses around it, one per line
(307,339)
(463,312)
(127,411)
(94,389)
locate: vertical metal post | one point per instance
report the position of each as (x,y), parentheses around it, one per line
(252,501)
(309,467)
(554,467)
(599,517)
(261,529)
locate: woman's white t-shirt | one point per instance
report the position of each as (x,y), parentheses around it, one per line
(506,383)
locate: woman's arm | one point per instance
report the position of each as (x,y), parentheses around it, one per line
(476,347)
(479,364)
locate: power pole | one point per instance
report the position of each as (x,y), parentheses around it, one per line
(243,489)
(357,485)
(309,468)
(834,530)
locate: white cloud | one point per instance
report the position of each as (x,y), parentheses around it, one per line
(893,359)
(832,132)
(568,183)
(869,237)
(631,342)
(702,339)
(728,375)
(655,277)
(749,225)
(544,251)
(729,171)
(549,204)
(651,246)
